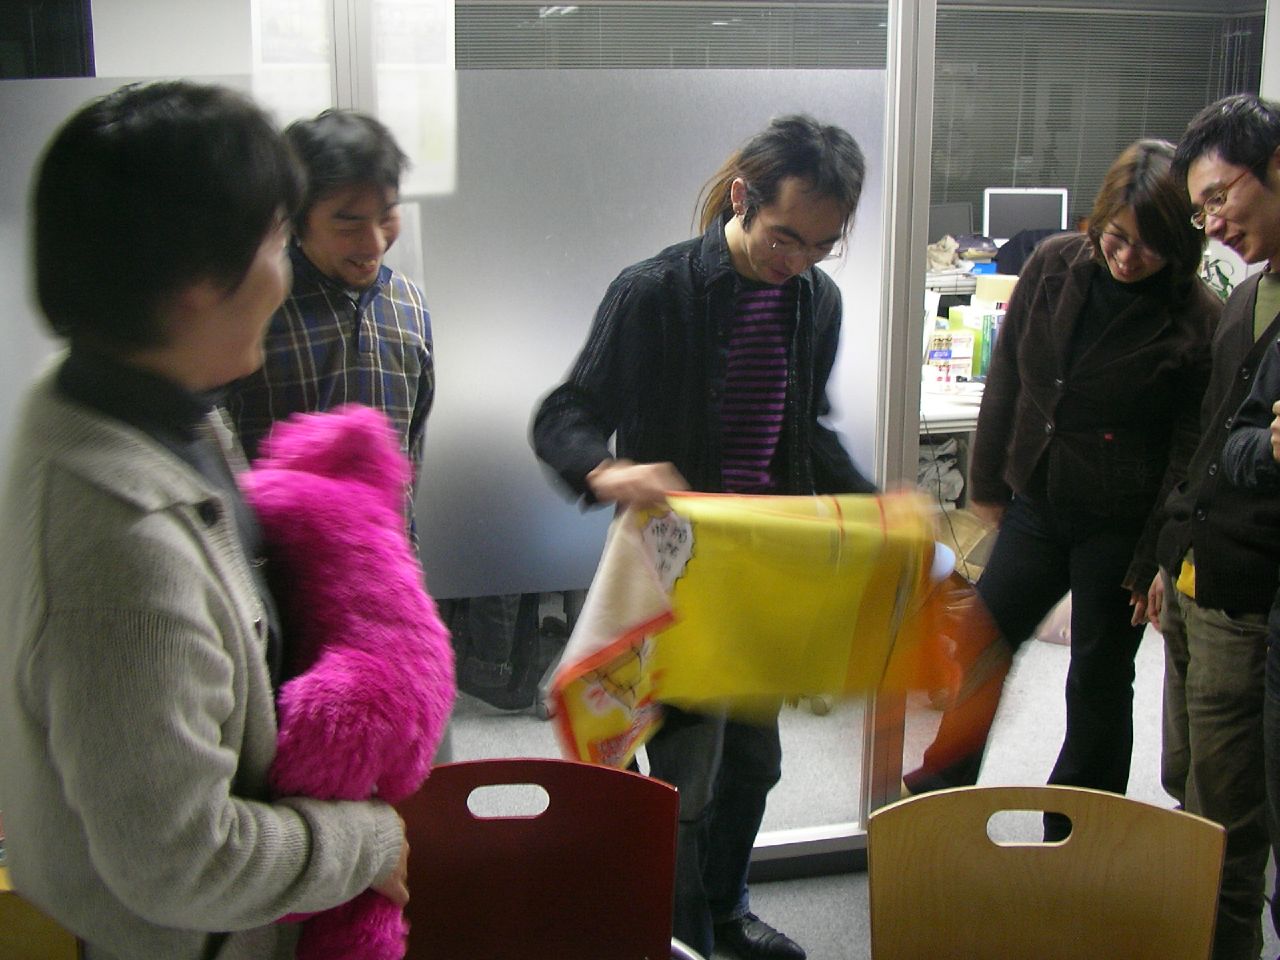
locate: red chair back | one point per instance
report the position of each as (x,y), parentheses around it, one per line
(591,876)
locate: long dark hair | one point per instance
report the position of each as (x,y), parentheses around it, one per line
(826,158)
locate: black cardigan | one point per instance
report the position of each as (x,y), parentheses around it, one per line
(653,369)
(1235,532)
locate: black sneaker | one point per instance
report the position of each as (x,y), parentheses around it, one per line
(751,938)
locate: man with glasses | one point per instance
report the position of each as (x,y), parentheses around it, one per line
(1220,548)
(708,364)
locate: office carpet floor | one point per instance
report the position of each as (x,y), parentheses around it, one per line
(828,915)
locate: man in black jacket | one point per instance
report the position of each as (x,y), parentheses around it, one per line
(1220,549)
(708,364)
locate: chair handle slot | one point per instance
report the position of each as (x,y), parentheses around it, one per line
(1020,827)
(501,801)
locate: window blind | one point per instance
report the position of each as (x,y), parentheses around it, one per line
(670,36)
(1038,94)
(1048,99)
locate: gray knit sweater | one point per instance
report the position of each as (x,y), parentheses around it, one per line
(137,721)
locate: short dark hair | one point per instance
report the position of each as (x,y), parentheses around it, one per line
(824,157)
(1243,129)
(1142,178)
(146,191)
(343,147)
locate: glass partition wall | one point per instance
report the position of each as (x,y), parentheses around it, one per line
(1046,94)
(584,137)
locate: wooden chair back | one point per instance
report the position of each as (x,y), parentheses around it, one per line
(27,934)
(1132,880)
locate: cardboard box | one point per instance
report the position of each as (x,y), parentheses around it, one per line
(939,365)
(967,320)
(994,288)
(950,356)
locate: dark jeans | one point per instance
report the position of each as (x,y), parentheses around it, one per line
(724,771)
(1038,557)
(496,641)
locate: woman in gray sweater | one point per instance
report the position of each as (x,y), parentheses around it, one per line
(139,647)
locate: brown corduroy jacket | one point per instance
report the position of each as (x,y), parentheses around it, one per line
(1139,384)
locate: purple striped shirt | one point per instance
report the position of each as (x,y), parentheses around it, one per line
(755,391)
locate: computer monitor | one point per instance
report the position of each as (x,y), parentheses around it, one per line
(1006,210)
(950,219)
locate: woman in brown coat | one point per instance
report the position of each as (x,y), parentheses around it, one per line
(1089,416)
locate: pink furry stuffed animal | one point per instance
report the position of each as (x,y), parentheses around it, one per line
(371,663)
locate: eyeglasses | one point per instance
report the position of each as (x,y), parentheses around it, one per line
(1118,243)
(1214,204)
(794,250)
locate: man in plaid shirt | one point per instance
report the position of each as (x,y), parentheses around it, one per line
(352,330)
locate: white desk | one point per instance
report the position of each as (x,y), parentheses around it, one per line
(949,412)
(954,414)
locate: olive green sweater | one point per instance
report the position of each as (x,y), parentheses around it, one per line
(137,722)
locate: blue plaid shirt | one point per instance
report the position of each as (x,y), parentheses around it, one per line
(328,345)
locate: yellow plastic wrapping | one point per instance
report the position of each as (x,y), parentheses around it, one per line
(738,602)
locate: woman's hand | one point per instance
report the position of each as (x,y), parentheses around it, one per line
(989,513)
(1138,601)
(395,886)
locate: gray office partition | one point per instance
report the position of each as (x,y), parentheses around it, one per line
(564,178)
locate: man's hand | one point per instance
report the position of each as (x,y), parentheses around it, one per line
(1155,600)
(638,485)
(395,887)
